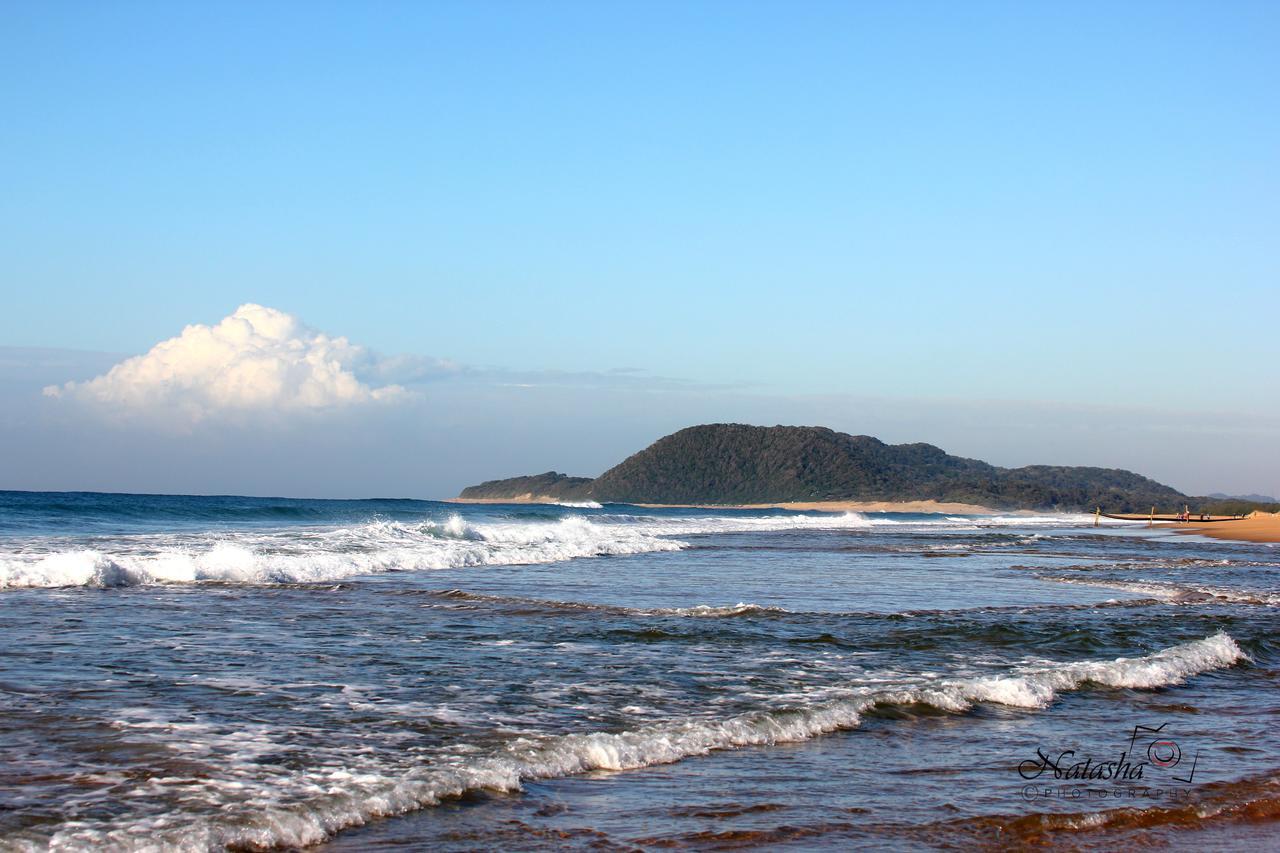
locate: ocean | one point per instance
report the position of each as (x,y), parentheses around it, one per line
(255,673)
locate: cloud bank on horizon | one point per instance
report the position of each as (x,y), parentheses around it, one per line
(261,364)
(257,360)
(261,403)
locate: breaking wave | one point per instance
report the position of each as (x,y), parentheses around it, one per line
(697,610)
(338,798)
(313,555)
(319,555)
(325,554)
(694,525)
(720,611)
(1178,593)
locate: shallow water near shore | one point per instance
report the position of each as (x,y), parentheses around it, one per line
(255,673)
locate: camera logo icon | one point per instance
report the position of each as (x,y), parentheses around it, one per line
(1164,753)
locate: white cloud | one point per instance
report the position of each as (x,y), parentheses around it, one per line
(258,360)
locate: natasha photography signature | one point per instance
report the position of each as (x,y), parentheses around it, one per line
(1151,758)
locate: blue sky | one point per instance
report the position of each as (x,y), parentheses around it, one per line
(754,209)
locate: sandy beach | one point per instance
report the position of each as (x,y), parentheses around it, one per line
(1258,527)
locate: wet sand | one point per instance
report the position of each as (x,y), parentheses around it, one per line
(1255,527)
(1258,527)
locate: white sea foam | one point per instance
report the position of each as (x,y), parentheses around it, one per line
(1179,592)
(1036,687)
(1071,519)
(696,525)
(581,504)
(332,798)
(742,608)
(309,555)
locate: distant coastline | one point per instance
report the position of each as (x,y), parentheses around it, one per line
(1256,527)
(738,466)
(925,506)
(807,467)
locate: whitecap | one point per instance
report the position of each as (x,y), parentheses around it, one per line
(344,797)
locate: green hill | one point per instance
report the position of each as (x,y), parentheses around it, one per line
(548,485)
(740,464)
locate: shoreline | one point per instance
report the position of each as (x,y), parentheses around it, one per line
(1257,527)
(927,506)
(1260,527)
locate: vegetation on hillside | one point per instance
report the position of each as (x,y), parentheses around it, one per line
(740,464)
(548,485)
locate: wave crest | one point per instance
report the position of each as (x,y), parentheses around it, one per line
(313,556)
(355,798)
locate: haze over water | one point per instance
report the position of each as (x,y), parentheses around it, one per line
(199,672)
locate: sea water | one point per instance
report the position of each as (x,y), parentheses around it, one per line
(204,672)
